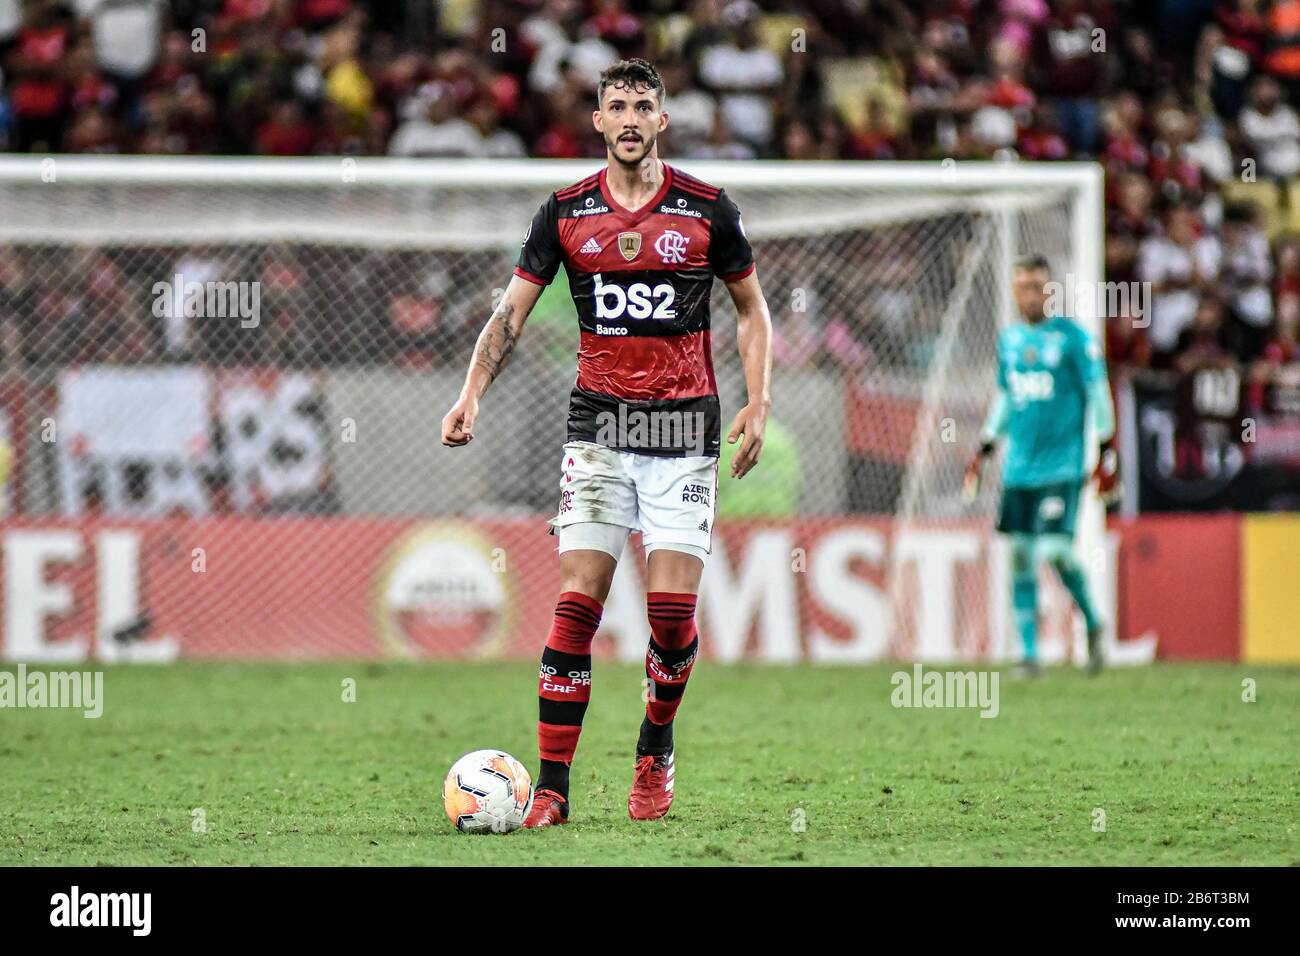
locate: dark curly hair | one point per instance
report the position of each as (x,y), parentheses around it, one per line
(635,74)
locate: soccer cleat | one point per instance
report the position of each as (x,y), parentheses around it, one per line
(549,809)
(652,787)
(1028,669)
(1095,661)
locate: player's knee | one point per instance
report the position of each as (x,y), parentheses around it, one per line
(1058,552)
(590,576)
(591,582)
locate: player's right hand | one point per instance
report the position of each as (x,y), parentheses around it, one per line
(458,424)
(970,483)
(1106,474)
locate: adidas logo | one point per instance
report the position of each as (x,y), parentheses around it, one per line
(704,525)
(590,247)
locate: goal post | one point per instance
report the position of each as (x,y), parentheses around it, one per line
(256,353)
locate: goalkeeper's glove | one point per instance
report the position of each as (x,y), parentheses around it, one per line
(1107,473)
(975,471)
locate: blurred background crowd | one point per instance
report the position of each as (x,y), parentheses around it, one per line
(1183,101)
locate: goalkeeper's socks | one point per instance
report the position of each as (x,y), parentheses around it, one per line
(564,687)
(1072,576)
(669,658)
(1024,608)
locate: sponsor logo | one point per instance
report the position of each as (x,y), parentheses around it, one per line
(696,494)
(589,209)
(527,233)
(704,525)
(629,243)
(637,301)
(1052,508)
(611,329)
(671,247)
(441,590)
(1033,386)
(670,211)
(590,247)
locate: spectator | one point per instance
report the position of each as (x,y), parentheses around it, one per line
(721,144)
(1230,49)
(1239,265)
(691,110)
(1283,59)
(38,94)
(287,132)
(744,75)
(127,36)
(1270,131)
(1167,261)
(555,33)
(1071,70)
(1274,387)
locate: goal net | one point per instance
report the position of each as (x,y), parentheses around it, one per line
(224,380)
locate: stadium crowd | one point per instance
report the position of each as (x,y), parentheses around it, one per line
(1191,107)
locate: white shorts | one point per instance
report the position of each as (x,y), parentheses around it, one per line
(669,500)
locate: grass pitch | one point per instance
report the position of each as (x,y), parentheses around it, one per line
(284,772)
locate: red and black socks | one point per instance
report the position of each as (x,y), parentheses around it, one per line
(564,687)
(668,662)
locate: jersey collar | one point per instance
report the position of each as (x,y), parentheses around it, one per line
(641,212)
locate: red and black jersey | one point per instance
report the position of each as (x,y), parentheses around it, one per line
(640,283)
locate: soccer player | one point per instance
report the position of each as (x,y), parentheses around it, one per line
(1051,379)
(641,243)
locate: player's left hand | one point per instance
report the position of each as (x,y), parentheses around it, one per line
(1106,474)
(749,422)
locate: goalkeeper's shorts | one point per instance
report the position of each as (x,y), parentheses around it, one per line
(1047,509)
(669,500)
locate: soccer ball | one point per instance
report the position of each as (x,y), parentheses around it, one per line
(487,791)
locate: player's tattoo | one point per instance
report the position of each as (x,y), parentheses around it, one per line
(497,342)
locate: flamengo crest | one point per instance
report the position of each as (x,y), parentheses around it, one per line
(671,247)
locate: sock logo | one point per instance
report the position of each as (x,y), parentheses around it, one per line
(569,684)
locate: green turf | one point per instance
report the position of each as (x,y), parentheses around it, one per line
(287,773)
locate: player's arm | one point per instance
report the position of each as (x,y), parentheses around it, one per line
(1101,409)
(754,339)
(492,351)
(995,426)
(539,260)
(732,260)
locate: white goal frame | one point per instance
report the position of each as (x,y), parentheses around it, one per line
(919,188)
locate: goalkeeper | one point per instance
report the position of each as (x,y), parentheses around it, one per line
(1051,379)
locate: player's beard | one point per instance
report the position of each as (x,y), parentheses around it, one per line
(612,146)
